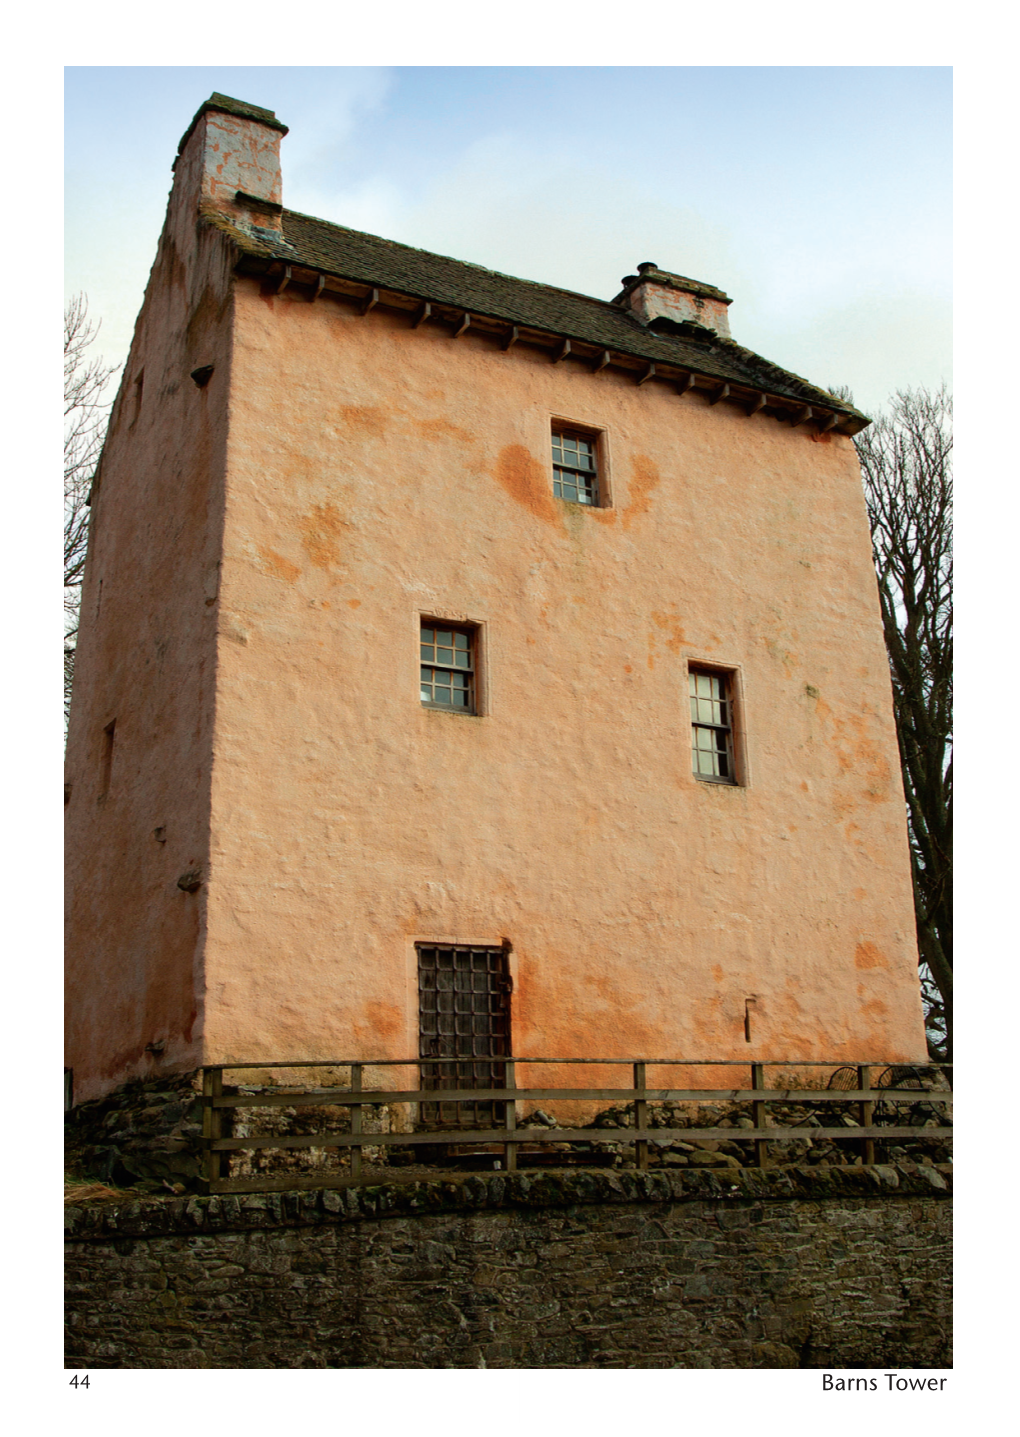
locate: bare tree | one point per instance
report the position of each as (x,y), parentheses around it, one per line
(85,416)
(906,462)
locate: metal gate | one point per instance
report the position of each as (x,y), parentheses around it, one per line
(463,1014)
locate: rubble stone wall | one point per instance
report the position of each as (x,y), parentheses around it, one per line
(848,1267)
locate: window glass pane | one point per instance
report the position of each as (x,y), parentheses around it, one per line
(710,705)
(445,676)
(574,478)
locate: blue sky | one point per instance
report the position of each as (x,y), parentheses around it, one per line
(818,198)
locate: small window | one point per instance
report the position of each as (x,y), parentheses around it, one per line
(712,726)
(575,467)
(448,668)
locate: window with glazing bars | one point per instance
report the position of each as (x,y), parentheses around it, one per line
(575,467)
(448,668)
(712,726)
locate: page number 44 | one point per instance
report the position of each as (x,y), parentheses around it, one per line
(77,1381)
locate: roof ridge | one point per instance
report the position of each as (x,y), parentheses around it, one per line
(452,259)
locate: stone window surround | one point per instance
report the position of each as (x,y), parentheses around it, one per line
(732,676)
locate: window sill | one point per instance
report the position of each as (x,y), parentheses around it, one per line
(576,503)
(448,709)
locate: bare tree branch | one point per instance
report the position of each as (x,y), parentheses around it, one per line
(86,412)
(907,468)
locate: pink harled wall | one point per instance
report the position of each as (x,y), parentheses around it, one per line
(379,474)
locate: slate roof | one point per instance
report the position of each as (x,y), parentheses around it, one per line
(367,259)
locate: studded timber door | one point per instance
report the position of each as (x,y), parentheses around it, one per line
(464,1013)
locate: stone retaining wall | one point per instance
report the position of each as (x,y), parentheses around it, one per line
(785,1268)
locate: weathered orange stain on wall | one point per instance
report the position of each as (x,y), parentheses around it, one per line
(440,428)
(675,630)
(866,955)
(277,565)
(322,531)
(527,482)
(365,420)
(644,479)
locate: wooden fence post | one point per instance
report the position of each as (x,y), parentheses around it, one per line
(356,1111)
(509,1148)
(761,1146)
(212,1123)
(867,1112)
(640,1116)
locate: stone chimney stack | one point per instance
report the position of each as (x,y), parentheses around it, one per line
(661,300)
(229,162)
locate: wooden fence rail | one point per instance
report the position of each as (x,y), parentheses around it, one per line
(357,1097)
